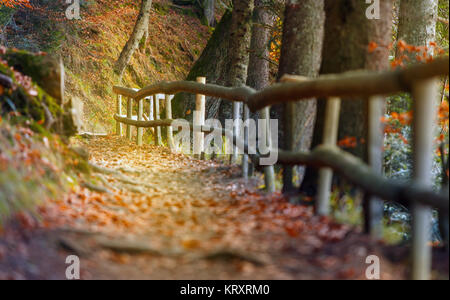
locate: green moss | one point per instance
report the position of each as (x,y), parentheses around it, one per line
(161,8)
(44,70)
(25,62)
(42,107)
(21,180)
(5,14)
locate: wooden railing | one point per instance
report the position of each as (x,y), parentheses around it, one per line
(419,80)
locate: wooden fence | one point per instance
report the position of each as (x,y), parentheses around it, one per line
(419,80)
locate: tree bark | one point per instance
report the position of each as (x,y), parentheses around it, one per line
(258,73)
(140,28)
(259,70)
(258,66)
(417,23)
(239,44)
(348,33)
(301,54)
(241,25)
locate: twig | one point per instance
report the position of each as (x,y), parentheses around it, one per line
(96,188)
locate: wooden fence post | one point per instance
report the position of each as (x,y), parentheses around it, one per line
(424,97)
(140,117)
(236,129)
(158,139)
(129,116)
(329,138)
(119,126)
(245,160)
(373,206)
(269,171)
(151,115)
(199,120)
(170,140)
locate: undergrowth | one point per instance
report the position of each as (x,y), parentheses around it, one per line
(34,167)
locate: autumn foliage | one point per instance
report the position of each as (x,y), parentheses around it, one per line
(16,3)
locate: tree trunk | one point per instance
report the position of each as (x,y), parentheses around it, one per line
(138,33)
(417,23)
(143,42)
(301,54)
(241,25)
(216,54)
(239,43)
(348,33)
(209,12)
(417,27)
(258,67)
(259,70)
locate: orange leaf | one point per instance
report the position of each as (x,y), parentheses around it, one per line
(372,47)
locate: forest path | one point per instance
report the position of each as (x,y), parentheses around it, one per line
(168,216)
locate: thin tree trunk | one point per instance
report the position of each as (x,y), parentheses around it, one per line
(209,12)
(301,54)
(417,27)
(138,33)
(143,43)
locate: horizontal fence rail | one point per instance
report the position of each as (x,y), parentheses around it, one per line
(419,80)
(362,175)
(359,83)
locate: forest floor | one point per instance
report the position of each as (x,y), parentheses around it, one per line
(168,216)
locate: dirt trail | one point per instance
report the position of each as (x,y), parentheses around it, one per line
(167,216)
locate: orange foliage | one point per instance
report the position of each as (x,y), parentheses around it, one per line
(395,122)
(372,47)
(423,53)
(275,43)
(14,3)
(348,142)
